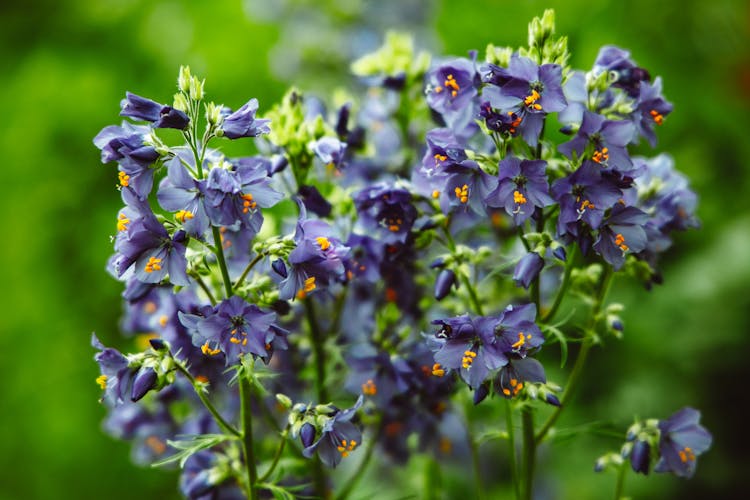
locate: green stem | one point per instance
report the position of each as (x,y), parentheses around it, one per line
(205,288)
(529,451)
(247,435)
(247,269)
(276,457)
(321,480)
(475,460)
(207,402)
(577,371)
(222,261)
(569,264)
(316,337)
(512,450)
(352,482)
(473,295)
(621,480)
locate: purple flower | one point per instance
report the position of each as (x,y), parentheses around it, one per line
(522,187)
(385,211)
(607,138)
(651,108)
(446,279)
(179,192)
(233,196)
(364,258)
(242,123)
(338,438)
(378,376)
(125,145)
(144,245)
(640,457)
(140,108)
(584,196)
(527,269)
(512,377)
(682,439)
(530,92)
(236,328)
(330,150)
(452,87)
(116,375)
(621,232)
(623,70)
(466,189)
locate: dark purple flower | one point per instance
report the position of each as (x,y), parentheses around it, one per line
(466,189)
(623,71)
(377,375)
(522,187)
(527,269)
(140,108)
(144,381)
(513,377)
(144,245)
(606,138)
(385,211)
(235,195)
(682,439)
(236,328)
(116,375)
(314,201)
(446,279)
(651,108)
(622,231)
(126,141)
(364,258)
(530,92)
(584,196)
(338,438)
(452,87)
(242,123)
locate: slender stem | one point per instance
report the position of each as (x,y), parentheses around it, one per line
(321,479)
(276,457)
(535,287)
(569,264)
(621,480)
(475,461)
(577,371)
(222,261)
(249,267)
(354,479)
(473,295)
(205,288)
(529,451)
(512,450)
(207,402)
(247,435)
(316,337)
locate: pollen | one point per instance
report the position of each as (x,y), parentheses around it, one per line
(515,387)
(153,264)
(369,388)
(156,445)
(519,198)
(586,204)
(149,307)
(324,243)
(686,455)
(184,215)
(515,123)
(163,319)
(468,359)
(437,370)
(436,194)
(521,340)
(122,222)
(248,203)
(601,155)
(658,117)
(462,193)
(308,287)
(206,349)
(620,242)
(439,158)
(450,83)
(346,446)
(124,179)
(201,379)
(531,100)
(102,381)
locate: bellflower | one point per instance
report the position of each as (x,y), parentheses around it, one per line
(338,438)
(236,328)
(242,123)
(522,187)
(116,375)
(527,269)
(608,138)
(682,440)
(511,379)
(162,116)
(329,150)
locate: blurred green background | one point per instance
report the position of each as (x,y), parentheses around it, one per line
(66,64)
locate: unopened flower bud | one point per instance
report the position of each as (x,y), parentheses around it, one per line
(144,381)
(640,457)
(280,268)
(444,282)
(307,434)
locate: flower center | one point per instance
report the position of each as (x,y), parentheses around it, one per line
(324,243)
(450,83)
(468,359)
(346,446)
(308,287)
(620,242)
(124,179)
(122,221)
(516,121)
(437,370)
(601,155)
(462,193)
(369,388)
(521,340)
(102,381)
(515,387)
(531,100)
(184,215)
(439,159)
(686,455)
(152,265)
(248,203)
(658,117)
(585,204)
(206,349)
(235,339)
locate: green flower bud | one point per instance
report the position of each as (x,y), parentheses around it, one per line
(500,56)
(183,79)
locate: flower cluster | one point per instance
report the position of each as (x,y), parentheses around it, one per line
(394,250)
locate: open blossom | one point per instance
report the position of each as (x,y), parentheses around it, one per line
(338,437)
(385,212)
(607,140)
(682,439)
(521,189)
(242,123)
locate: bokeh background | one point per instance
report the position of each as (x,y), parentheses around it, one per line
(64,66)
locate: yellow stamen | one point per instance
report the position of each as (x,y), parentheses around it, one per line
(686,455)
(437,370)
(102,381)
(183,215)
(462,193)
(436,194)
(601,155)
(248,203)
(620,242)
(450,83)
(206,349)
(152,265)
(157,445)
(531,100)
(324,243)
(346,446)
(658,117)
(519,198)
(515,123)
(308,287)
(124,179)
(149,307)
(122,221)
(468,359)
(369,388)
(521,340)
(438,158)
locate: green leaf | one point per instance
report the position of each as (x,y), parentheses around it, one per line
(191,446)
(560,336)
